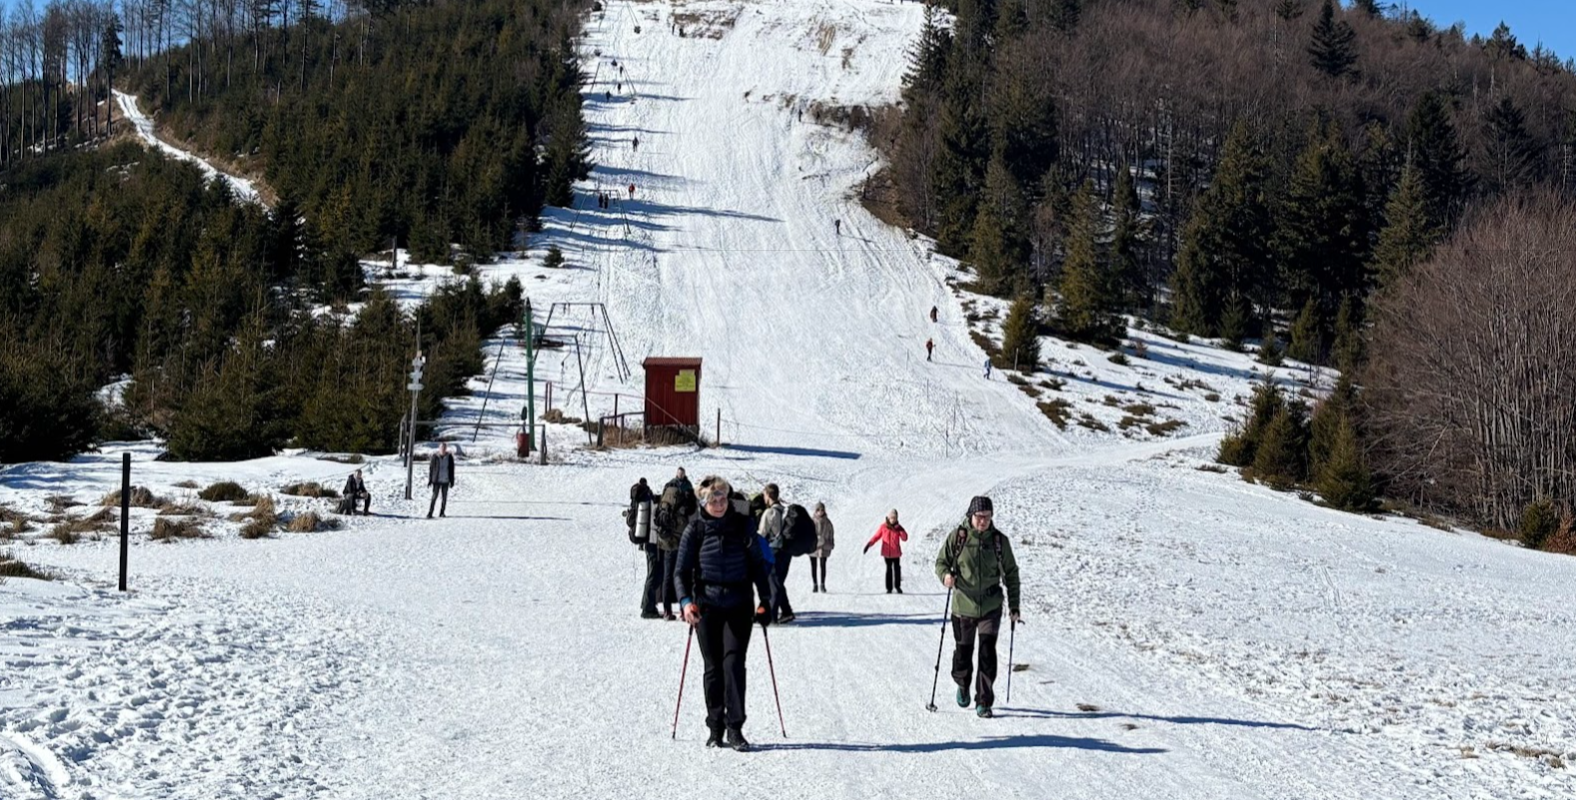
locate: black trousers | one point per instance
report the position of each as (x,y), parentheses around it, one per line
(439,489)
(724,635)
(818,571)
(964,631)
(894,574)
(652,592)
(666,593)
(780,584)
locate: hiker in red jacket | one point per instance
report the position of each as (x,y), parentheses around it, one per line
(891,536)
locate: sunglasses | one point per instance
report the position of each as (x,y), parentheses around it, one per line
(716,497)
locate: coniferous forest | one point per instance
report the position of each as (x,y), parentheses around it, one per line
(1330,177)
(443,126)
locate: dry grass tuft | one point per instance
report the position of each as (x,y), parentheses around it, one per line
(309,489)
(141,497)
(168,528)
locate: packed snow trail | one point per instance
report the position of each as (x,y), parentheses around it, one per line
(1186,634)
(143,124)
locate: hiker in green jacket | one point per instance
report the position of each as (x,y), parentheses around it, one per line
(974,562)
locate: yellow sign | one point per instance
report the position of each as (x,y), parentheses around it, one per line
(684,381)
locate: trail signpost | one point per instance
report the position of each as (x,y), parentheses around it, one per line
(415,391)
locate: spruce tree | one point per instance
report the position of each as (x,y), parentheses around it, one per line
(1324,429)
(1345,481)
(1436,154)
(1321,240)
(1087,311)
(1224,254)
(1511,152)
(990,253)
(1020,346)
(1349,349)
(1371,8)
(1127,231)
(1307,335)
(1409,233)
(958,171)
(1239,448)
(1333,49)
(1270,351)
(1281,459)
(927,59)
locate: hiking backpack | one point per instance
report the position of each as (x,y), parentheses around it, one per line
(671,518)
(798,531)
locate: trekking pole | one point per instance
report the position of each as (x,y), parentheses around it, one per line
(946,613)
(1012,635)
(682,672)
(773,669)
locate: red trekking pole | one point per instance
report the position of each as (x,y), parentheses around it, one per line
(773,669)
(682,672)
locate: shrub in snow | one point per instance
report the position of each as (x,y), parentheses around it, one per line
(1020,346)
(223,492)
(1538,522)
(10,567)
(554,259)
(310,489)
(168,528)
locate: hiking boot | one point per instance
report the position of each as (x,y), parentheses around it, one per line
(668,615)
(737,741)
(785,618)
(715,739)
(899,590)
(652,614)
(983,712)
(963,697)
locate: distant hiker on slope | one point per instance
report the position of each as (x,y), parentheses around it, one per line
(674,511)
(891,536)
(933,312)
(930,347)
(773,528)
(355,491)
(837,225)
(974,562)
(987,368)
(632,191)
(639,495)
(440,476)
(823,547)
(719,561)
(635,143)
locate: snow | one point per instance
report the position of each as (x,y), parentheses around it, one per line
(1186,634)
(143,124)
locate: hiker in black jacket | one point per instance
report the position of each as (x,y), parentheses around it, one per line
(356,491)
(641,493)
(440,476)
(672,514)
(719,563)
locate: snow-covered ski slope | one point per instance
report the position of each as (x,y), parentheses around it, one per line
(1186,634)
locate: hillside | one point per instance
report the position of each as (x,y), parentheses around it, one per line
(1186,634)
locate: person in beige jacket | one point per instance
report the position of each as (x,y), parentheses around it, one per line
(823,547)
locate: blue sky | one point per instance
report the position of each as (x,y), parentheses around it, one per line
(1552,22)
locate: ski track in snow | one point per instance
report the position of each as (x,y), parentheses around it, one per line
(1186,634)
(143,124)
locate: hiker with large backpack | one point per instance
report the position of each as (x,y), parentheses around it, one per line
(891,536)
(975,562)
(675,508)
(639,517)
(719,563)
(789,530)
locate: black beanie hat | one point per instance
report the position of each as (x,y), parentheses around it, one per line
(978,504)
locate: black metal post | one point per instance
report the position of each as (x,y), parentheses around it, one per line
(125,514)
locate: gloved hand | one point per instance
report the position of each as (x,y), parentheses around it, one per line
(867,548)
(763,616)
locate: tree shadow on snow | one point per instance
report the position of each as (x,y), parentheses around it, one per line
(1035,713)
(988,743)
(792,451)
(823,619)
(507,516)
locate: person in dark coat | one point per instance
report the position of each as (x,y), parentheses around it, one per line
(641,493)
(674,510)
(440,476)
(719,564)
(356,491)
(771,528)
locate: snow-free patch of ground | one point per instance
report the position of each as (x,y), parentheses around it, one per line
(1186,634)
